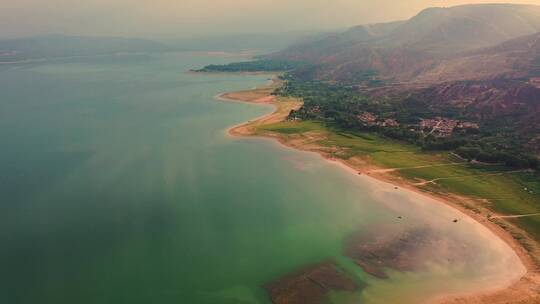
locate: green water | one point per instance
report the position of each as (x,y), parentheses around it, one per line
(118,185)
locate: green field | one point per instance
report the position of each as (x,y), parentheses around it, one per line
(507,191)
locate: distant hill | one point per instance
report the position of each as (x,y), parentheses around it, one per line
(54,46)
(467,27)
(400,51)
(263,43)
(318,49)
(513,59)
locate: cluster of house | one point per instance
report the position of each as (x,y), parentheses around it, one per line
(444,127)
(370,119)
(438,126)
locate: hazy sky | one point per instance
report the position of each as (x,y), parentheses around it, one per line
(184,18)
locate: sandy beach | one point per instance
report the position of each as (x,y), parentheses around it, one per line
(524,290)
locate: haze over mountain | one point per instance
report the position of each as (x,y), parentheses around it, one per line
(402,50)
(516,58)
(54,46)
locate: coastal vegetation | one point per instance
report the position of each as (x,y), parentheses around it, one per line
(502,189)
(253,66)
(432,129)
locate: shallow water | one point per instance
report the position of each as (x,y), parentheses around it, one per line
(118,185)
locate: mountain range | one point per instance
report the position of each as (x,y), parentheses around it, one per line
(480,60)
(402,51)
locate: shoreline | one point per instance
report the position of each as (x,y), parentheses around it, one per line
(523,290)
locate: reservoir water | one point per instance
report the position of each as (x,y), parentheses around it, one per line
(118,184)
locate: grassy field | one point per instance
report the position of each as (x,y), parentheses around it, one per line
(500,189)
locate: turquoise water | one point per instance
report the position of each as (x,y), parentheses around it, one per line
(119,185)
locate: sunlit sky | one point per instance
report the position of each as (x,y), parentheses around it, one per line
(191,18)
